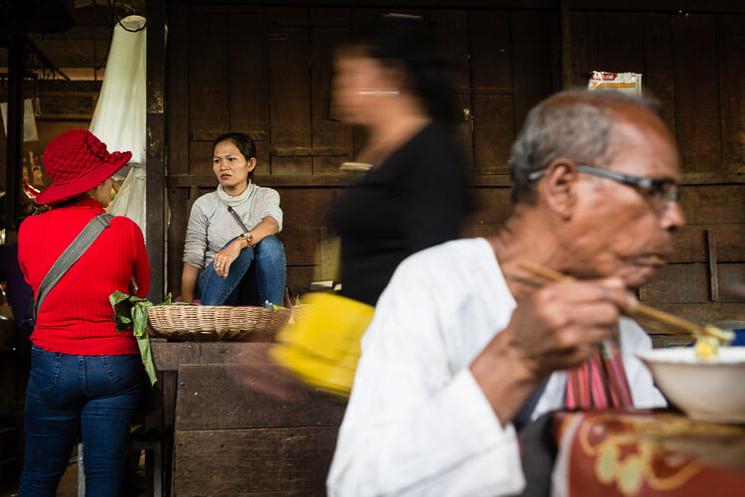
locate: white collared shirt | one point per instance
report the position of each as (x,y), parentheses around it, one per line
(417,423)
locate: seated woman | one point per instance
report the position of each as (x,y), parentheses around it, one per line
(232,228)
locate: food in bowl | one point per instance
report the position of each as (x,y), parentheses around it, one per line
(707,347)
(710,389)
(708,343)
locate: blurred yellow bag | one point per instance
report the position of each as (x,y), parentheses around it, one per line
(322,346)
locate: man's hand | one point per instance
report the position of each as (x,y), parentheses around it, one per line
(555,327)
(559,325)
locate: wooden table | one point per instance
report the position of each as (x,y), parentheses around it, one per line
(242,427)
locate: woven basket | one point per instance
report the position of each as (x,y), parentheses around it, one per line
(194,322)
(298,311)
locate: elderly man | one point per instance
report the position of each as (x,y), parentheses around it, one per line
(457,347)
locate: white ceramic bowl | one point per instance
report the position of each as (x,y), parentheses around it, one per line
(707,389)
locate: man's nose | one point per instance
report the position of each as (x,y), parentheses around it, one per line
(673,217)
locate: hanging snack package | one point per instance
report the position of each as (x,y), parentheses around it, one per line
(625,82)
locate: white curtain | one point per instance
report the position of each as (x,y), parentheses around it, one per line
(119,118)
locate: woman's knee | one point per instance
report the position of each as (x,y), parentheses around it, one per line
(270,247)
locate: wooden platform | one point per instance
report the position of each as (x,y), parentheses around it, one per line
(242,427)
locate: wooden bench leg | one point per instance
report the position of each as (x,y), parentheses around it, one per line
(158,471)
(153,465)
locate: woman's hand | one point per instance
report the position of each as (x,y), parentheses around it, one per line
(225,257)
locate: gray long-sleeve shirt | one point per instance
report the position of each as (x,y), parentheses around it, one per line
(211,225)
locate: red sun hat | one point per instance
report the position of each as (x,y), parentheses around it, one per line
(76,162)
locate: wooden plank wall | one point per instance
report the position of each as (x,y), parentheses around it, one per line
(267,71)
(688,62)
(245,429)
(275,86)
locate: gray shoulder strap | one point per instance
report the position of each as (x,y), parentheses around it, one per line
(70,256)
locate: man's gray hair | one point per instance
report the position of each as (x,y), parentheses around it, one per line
(575,124)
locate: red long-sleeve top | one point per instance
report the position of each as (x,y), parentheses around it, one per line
(76,317)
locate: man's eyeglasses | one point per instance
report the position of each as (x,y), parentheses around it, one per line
(661,191)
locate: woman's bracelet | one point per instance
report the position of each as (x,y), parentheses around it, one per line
(247,236)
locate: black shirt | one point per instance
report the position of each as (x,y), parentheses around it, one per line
(413,200)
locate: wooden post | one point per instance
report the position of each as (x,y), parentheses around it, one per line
(711,253)
(156,147)
(14,150)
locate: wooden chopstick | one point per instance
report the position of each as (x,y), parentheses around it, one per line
(535,283)
(642,309)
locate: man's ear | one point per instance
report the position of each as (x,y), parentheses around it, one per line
(251,164)
(559,187)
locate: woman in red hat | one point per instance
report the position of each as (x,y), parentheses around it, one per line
(86,377)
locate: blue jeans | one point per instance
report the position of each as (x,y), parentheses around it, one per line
(269,256)
(67,395)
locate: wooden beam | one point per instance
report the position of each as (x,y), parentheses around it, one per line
(713,6)
(309,151)
(713,178)
(188,181)
(259,462)
(682,6)
(237,396)
(476,180)
(43,58)
(709,312)
(314,180)
(383,4)
(156,146)
(688,6)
